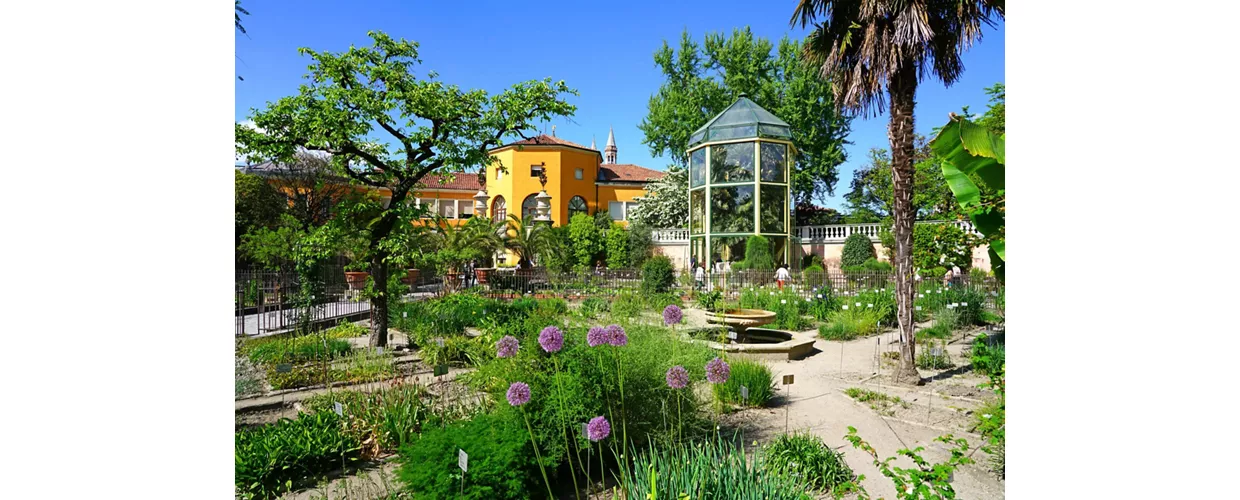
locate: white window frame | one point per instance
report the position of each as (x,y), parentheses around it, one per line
(625,208)
(579,173)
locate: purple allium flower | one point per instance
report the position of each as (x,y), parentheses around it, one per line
(551,339)
(717,371)
(597,336)
(677,377)
(518,393)
(598,429)
(507,347)
(616,335)
(672,315)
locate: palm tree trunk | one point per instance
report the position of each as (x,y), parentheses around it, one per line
(903,89)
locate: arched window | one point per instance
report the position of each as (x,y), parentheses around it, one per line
(499,209)
(577,205)
(528,208)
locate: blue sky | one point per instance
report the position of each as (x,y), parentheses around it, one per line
(605,50)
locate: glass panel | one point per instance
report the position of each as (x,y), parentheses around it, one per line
(429,203)
(577,205)
(774,209)
(467,208)
(528,207)
(774,162)
(616,209)
(731,162)
(447,209)
(778,244)
(726,249)
(697,211)
(774,131)
(731,209)
(697,251)
(697,168)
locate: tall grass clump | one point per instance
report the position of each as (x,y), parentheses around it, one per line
(808,460)
(277,458)
(849,324)
(715,469)
(753,375)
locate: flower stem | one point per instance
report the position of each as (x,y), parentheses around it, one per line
(567,443)
(537,455)
(624,425)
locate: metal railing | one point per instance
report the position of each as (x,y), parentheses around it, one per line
(830,233)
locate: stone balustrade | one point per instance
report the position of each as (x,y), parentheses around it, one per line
(813,234)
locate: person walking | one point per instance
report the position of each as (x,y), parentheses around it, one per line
(781,275)
(699,276)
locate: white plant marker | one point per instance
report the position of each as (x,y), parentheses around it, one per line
(339,408)
(844,307)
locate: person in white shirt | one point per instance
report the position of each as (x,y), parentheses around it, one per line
(781,276)
(699,275)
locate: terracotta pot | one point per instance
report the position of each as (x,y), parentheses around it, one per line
(356,279)
(411,277)
(483,275)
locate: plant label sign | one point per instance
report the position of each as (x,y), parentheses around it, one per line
(284,368)
(788,379)
(404,314)
(339,408)
(462,460)
(584,429)
(441,370)
(936,352)
(379,351)
(439,342)
(744,393)
(732,335)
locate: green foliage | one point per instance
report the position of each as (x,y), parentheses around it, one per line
(501,462)
(788,306)
(585,240)
(878,401)
(758,254)
(641,242)
(988,354)
(929,361)
(580,382)
(942,245)
(660,301)
(857,249)
(701,80)
(924,480)
(933,274)
(710,300)
(849,324)
(806,458)
(591,307)
(973,161)
(715,469)
(525,238)
(617,245)
(294,350)
(995,118)
(872,189)
(666,202)
(258,204)
(752,374)
(627,305)
(558,256)
(387,417)
(992,418)
(658,275)
(275,458)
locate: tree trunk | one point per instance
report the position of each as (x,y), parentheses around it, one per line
(379,301)
(903,88)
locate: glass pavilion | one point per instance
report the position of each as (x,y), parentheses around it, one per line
(739,163)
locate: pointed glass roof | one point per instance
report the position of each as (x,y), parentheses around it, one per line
(742,120)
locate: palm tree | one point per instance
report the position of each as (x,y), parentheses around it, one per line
(455,245)
(863,46)
(527,239)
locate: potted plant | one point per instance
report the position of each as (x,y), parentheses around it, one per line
(354,275)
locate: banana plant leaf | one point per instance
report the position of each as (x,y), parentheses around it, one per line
(970,151)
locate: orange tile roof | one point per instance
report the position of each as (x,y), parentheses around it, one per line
(464,181)
(547,140)
(627,173)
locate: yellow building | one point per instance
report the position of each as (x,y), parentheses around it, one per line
(580,179)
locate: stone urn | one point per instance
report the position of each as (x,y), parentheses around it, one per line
(741,319)
(356,279)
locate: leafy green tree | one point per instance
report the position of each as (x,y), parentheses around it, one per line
(257,203)
(875,51)
(857,249)
(995,117)
(973,164)
(666,202)
(872,189)
(455,245)
(617,245)
(641,243)
(703,80)
(527,239)
(353,97)
(585,239)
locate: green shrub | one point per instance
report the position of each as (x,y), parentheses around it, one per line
(659,301)
(594,306)
(942,243)
(814,276)
(658,275)
(988,354)
(758,254)
(391,416)
(936,331)
(585,240)
(617,246)
(810,260)
(627,305)
(876,266)
(276,458)
(705,470)
(807,459)
(710,300)
(928,360)
(934,274)
(501,462)
(947,318)
(751,374)
(294,350)
(849,324)
(857,249)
